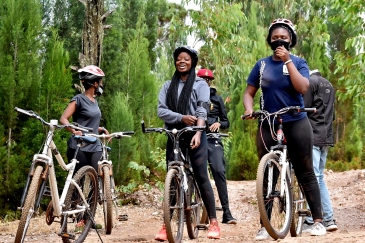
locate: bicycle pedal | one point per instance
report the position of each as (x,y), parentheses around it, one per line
(202,227)
(304,212)
(67,235)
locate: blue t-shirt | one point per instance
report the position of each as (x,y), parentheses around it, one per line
(277,88)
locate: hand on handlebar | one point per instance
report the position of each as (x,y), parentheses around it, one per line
(248,115)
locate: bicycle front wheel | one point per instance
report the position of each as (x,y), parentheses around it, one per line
(29,205)
(194,213)
(78,224)
(107,201)
(299,208)
(275,211)
(173,207)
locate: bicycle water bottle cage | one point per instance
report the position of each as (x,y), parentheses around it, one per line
(85,139)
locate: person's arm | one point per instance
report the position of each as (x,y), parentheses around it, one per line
(163,112)
(223,119)
(68,112)
(308,97)
(248,96)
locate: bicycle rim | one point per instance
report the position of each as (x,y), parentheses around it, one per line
(29,205)
(275,211)
(79,224)
(173,207)
(107,201)
(194,213)
(299,204)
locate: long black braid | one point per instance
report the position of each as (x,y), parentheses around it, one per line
(181,106)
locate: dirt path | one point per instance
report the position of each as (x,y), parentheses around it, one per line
(347,192)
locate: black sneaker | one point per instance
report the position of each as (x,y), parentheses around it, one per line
(330,225)
(228,219)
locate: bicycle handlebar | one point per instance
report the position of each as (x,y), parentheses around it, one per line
(116,135)
(217,135)
(282,111)
(173,131)
(73,125)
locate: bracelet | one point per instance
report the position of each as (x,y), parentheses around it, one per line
(290,60)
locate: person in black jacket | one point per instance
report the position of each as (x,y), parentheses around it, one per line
(217,118)
(321,96)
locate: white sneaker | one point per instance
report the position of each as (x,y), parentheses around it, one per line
(262,234)
(318,229)
(307,228)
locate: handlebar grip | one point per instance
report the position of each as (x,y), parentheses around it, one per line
(26,112)
(143,127)
(224,134)
(314,110)
(88,129)
(128,132)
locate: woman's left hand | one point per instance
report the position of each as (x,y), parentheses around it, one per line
(195,141)
(283,53)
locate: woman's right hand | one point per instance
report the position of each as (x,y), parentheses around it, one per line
(189,120)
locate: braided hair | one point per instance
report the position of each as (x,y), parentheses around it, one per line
(181,106)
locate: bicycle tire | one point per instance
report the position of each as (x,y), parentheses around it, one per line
(173,207)
(107,201)
(275,212)
(87,178)
(299,204)
(29,204)
(193,215)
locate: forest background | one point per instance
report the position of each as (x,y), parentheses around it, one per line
(40,46)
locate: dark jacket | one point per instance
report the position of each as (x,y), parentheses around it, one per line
(217,111)
(321,96)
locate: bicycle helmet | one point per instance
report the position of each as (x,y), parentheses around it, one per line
(193,53)
(205,73)
(287,24)
(91,72)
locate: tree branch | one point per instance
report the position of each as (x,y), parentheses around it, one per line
(83,2)
(106,14)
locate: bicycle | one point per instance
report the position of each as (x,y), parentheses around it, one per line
(181,194)
(77,204)
(281,201)
(107,195)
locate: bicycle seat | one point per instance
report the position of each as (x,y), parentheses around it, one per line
(85,139)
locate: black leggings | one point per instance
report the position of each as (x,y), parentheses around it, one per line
(84,158)
(198,158)
(299,137)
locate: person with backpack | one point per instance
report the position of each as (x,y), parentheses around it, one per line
(217,119)
(283,79)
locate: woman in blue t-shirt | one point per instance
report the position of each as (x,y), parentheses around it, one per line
(283,79)
(85,111)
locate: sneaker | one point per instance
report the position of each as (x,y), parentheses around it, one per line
(228,219)
(307,227)
(162,235)
(318,229)
(330,225)
(80,226)
(262,234)
(214,231)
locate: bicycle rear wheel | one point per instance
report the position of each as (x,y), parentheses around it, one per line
(29,205)
(194,213)
(173,207)
(79,224)
(107,201)
(275,211)
(299,208)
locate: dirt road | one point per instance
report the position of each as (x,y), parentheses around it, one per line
(347,192)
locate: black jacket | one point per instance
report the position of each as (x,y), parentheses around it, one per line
(217,111)
(321,96)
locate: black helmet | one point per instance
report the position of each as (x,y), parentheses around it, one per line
(91,72)
(193,53)
(287,23)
